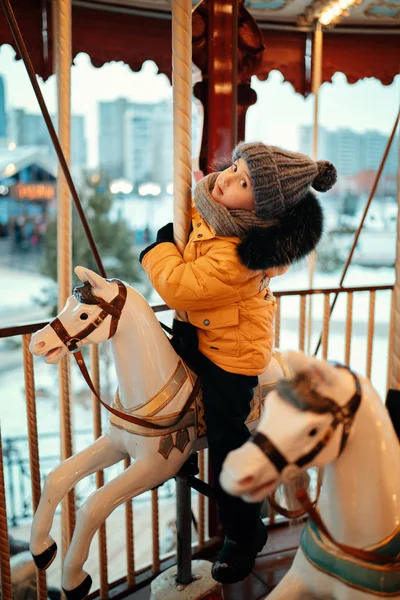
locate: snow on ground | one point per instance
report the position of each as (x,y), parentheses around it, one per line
(17,300)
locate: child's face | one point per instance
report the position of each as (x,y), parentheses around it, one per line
(233,187)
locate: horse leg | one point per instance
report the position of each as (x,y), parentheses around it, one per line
(145,473)
(99,455)
(303,582)
(292,586)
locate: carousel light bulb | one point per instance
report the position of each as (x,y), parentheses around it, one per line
(334,11)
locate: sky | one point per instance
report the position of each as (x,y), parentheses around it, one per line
(274,119)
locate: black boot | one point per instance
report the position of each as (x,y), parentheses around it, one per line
(236,559)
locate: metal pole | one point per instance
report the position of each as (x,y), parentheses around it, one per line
(183,530)
(395,332)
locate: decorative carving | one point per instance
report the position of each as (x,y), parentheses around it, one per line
(383,9)
(249,55)
(182,439)
(270,6)
(165,446)
(201,426)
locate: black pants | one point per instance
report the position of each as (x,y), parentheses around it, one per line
(226,398)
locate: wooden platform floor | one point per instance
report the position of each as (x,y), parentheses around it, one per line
(272,564)
(116,542)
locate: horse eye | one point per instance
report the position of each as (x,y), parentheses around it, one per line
(83,316)
(313,432)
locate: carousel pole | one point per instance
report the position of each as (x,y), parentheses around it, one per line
(182,182)
(393,395)
(62,34)
(191,580)
(316,84)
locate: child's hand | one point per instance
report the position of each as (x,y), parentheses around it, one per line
(166,233)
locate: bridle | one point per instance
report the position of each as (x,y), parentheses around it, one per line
(114,309)
(342,415)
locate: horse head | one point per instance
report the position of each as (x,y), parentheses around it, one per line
(90,315)
(306,422)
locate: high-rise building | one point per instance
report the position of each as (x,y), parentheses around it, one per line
(349,151)
(27,129)
(372,150)
(135,141)
(148,148)
(3,114)
(112,136)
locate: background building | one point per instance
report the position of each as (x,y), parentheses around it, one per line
(135,141)
(26,129)
(27,195)
(3,114)
(351,152)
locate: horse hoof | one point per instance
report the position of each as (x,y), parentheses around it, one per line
(80,592)
(44,560)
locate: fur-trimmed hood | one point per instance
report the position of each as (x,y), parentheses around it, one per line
(296,235)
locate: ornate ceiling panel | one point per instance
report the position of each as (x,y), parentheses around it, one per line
(368,13)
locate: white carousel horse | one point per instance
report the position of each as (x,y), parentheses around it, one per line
(327,416)
(151,420)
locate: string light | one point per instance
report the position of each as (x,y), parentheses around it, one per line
(327,13)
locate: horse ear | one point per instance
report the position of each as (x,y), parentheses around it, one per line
(321,370)
(297,361)
(95,280)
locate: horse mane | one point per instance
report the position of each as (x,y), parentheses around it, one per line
(300,391)
(84,294)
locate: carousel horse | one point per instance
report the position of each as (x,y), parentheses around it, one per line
(329,417)
(155,417)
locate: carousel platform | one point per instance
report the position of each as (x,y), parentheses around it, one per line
(272,564)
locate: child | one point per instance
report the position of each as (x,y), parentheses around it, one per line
(250,222)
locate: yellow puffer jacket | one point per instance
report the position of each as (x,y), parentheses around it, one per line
(229,304)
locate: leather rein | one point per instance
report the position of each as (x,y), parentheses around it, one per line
(113,309)
(343,415)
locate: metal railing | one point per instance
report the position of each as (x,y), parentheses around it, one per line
(353,334)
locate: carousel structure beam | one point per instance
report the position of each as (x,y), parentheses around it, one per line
(222,89)
(315,86)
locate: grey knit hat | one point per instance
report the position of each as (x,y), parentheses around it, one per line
(280,179)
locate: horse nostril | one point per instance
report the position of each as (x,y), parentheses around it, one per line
(246,481)
(39,346)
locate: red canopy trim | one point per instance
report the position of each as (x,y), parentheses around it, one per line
(285,52)
(104,35)
(113,36)
(29,18)
(361,55)
(354,54)
(133,39)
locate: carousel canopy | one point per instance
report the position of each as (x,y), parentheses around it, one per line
(364,43)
